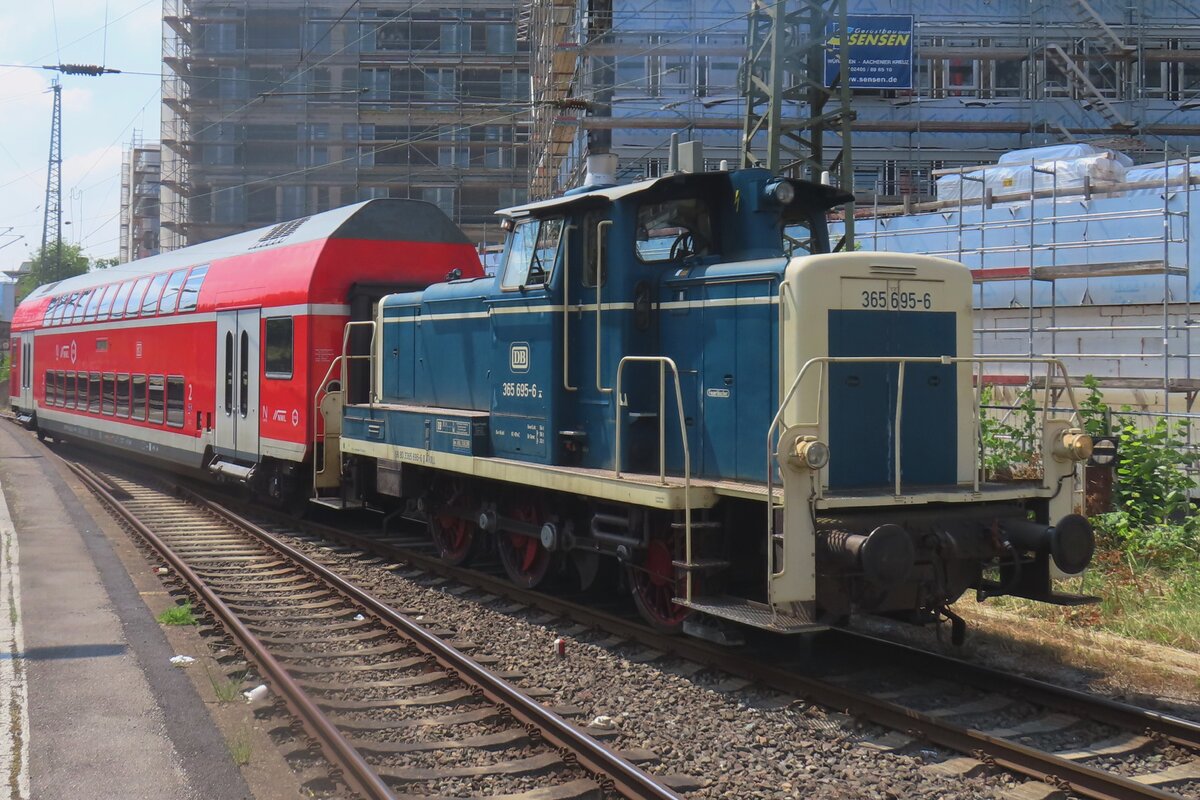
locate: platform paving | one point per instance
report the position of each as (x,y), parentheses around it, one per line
(90,705)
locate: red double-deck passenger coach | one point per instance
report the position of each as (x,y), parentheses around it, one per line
(210,356)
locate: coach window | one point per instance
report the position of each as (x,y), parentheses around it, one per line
(81,390)
(135,297)
(108,389)
(49,388)
(81,304)
(228,374)
(122,395)
(279,347)
(94,392)
(155,395)
(190,292)
(110,296)
(150,302)
(175,401)
(122,297)
(93,305)
(70,390)
(171,293)
(48,317)
(60,388)
(244,374)
(139,397)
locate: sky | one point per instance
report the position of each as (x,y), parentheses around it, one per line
(99,115)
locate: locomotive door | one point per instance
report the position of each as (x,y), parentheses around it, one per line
(237,387)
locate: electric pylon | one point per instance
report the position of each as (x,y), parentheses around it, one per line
(52,221)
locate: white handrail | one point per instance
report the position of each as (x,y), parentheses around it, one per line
(663,362)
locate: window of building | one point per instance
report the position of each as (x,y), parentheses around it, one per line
(175,401)
(440,196)
(155,397)
(532,251)
(70,390)
(439,84)
(122,395)
(455,37)
(279,347)
(150,302)
(94,392)
(122,297)
(135,297)
(454,157)
(108,402)
(497,157)
(501,37)
(170,296)
(138,394)
(190,293)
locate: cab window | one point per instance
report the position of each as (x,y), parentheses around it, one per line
(673,230)
(531,253)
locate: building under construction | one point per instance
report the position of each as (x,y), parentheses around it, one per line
(988,76)
(139,200)
(277,109)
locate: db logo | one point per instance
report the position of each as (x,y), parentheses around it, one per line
(69,351)
(518,357)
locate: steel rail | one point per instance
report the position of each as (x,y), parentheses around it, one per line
(1035,764)
(594,756)
(355,769)
(1176,730)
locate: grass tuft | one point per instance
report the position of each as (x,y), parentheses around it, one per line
(240,748)
(178,615)
(226,690)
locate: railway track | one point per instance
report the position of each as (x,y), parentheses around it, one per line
(394,708)
(1070,741)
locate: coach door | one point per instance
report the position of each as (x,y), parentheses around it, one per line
(237,387)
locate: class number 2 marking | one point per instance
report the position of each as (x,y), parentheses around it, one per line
(897,300)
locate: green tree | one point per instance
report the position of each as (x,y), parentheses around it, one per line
(105,263)
(46,267)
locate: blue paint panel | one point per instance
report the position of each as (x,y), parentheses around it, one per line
(441,432)
(862,399)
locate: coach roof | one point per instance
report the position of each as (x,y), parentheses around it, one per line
(380,219)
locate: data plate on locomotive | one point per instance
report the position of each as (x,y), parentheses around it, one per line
(875,294)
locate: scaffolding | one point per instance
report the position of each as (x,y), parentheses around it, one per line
(1034,240)
(277,109)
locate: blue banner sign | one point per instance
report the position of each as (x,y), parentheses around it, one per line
(880,51)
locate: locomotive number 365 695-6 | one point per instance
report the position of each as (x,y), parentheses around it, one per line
(897,301)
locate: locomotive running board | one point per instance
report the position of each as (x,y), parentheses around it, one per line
(753,614)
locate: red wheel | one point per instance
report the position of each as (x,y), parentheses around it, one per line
(452,534)
(655,584)
(524,558)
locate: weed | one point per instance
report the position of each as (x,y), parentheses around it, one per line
(226,689)
(178,615)
(240,747)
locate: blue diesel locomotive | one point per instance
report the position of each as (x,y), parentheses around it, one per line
(678,374)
